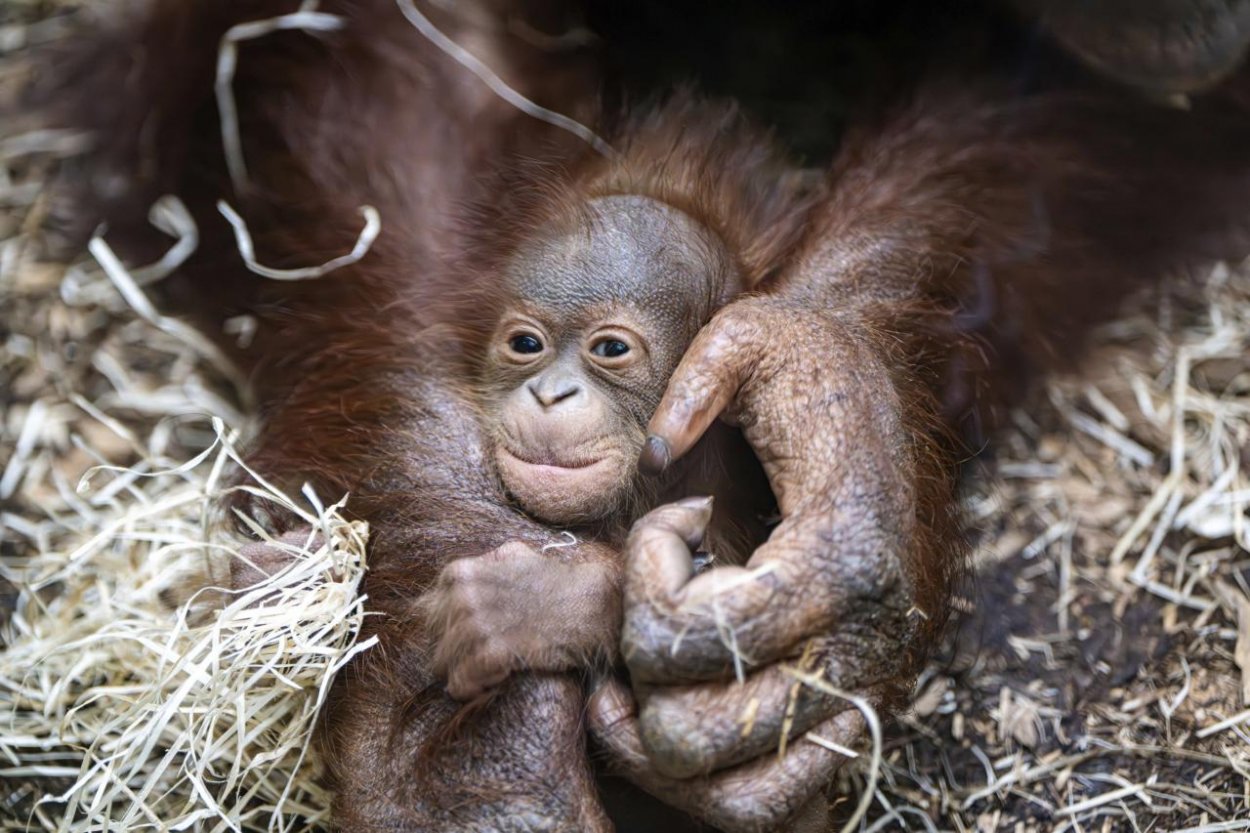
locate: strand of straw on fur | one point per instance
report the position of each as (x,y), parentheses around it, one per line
(819,683)
(243,238)
(168,214)
(143,307)
(497,85)
(307,20)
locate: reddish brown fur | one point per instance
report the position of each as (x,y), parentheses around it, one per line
(966,197)
(963,244)
(980,238)
(675,153)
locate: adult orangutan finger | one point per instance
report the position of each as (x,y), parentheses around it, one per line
(679,629)
(769,791)
(756,796)
(704,384)
(815,576)
(695,730)
(661,542)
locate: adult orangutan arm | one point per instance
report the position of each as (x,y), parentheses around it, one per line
(944,264)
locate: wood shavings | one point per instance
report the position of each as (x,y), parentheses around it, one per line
(1111,561)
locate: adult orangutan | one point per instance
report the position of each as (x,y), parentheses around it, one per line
(939,261)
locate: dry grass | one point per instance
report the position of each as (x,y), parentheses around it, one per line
(133,694)
(1101,678)
(1099,681)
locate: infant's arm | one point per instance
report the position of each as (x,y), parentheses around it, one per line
(517,608)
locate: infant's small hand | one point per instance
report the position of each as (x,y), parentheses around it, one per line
(516,608)
(477,617)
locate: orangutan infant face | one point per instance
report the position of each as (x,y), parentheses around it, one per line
(595,320)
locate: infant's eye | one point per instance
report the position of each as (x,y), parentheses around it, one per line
(525,343)
(610,348)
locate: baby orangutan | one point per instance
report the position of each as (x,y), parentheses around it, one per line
(587,324)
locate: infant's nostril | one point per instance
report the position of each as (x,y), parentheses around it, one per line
(566,392)
(550,394)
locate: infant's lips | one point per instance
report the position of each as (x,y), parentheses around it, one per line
(550,461)
(564,476)
(561,491)
(548,481)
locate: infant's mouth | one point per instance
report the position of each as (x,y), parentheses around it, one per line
(551,461)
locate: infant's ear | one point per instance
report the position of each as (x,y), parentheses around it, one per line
(446,341)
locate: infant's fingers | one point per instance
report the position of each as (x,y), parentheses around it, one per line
(612,719)
(469,681)
(473,666)
(704,384)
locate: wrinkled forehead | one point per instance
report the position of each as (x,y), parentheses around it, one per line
(623,250)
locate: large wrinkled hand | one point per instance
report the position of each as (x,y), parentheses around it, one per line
(715,659)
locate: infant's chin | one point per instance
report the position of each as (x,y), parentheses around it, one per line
(564,494)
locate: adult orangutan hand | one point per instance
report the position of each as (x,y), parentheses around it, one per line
(716,659)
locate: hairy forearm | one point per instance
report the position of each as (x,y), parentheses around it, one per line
(980,234)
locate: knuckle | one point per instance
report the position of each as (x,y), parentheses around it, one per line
(875,583)
(651,530)
(644,648)
(749,805)
(734,340)
(742,312)
(677,742)
(460,686)
(494,650)
(668,523)
(725,335)
(646,630)
(468,600)
(868,647)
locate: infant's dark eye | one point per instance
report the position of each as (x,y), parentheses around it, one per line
(526,344)
(610,348)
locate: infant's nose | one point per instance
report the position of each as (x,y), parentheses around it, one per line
(551,392)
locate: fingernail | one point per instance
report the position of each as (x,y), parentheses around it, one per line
(704,502)
(655,455)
